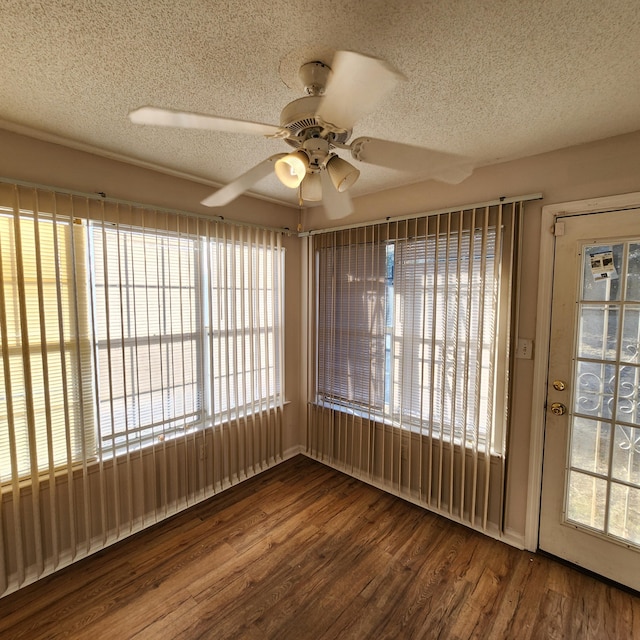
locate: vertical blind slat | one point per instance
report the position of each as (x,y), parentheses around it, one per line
(78,272)
(278,288)
(51,500)
(9,403)
(27,377)
(92,306)
(432,362)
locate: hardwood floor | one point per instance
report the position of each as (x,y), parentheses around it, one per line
(303,551)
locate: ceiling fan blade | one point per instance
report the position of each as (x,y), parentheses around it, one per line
(356,85)
(232,190)
(187,120)
(337,204)
(448,167)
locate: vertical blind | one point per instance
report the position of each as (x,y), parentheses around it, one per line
(411,371)
(141,369)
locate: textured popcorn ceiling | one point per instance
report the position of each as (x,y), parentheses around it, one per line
(493,80)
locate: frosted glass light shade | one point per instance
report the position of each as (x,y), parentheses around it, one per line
(312,187)
(342,174)
(291,169)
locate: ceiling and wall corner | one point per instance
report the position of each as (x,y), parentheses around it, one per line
(493,81)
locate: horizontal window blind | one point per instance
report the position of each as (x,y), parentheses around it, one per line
(141,368)
(352,324)
(444,334)
(145,302)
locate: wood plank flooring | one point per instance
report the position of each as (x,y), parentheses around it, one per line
(303,551)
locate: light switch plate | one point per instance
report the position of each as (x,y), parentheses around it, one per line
(524,349)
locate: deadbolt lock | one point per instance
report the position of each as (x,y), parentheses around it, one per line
(559,385)
(558,409)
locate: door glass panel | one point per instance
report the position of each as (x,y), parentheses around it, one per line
(630,334)
(626,455)
(603,491)
(597,332)
(594,388)
(604,283)
(590,445)
(587,500)
(628,380)
(625,513)
(633,272)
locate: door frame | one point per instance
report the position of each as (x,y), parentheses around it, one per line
(542,338)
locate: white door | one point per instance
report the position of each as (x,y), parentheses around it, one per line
(590,509)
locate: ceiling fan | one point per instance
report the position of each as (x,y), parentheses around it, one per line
(315,126)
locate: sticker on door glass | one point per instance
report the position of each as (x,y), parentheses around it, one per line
(602,267)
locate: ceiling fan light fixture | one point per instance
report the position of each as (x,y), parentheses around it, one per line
(312,187)
(342,173)
(292,169)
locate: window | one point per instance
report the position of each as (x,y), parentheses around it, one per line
(146,302)
(123,327)
(408,319)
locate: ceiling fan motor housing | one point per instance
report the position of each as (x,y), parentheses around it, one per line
(300,118)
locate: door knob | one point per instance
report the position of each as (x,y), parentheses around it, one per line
(558,409)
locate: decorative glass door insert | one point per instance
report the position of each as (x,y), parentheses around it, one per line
(603,484)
